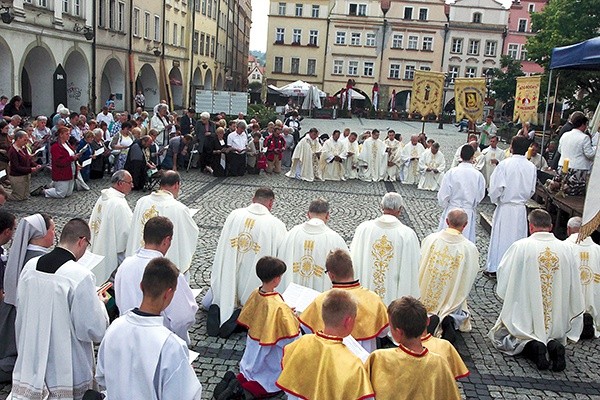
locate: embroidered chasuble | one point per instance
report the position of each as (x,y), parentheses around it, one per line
(373,154)
(410,157)
(331,170)
(351,161)
(394,152)
(445,349)
(431,180)
(484,162)
(305,160)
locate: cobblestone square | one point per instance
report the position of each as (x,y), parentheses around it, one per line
(493,375)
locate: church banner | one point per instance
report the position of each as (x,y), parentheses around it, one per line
(427,92)
(469,96)
(526,99)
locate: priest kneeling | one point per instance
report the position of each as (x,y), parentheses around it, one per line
(538,280)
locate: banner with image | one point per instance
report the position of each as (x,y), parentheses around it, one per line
(427,93)
(526,99)
(469,96)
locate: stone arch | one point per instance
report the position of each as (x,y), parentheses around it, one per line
(147,82)
(36,75)
(176,84)
(113,81)
(78,80)
(6,72)
(208,80)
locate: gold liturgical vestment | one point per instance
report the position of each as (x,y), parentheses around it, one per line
(268,319)
(320,367)
(445,349)
(399,374)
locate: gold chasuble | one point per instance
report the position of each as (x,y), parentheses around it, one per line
(371,316)
(320,367)
(268,319)
(445,349)
(401,374)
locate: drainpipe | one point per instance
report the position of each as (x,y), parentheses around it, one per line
(130,57)
(190,87)
(94,61)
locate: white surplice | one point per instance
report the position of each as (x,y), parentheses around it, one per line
(449,266)
(411,154)
(179,316)
(304,251)
(332,170)
(185,231)
(110,224)
(305,160)
(457,159)
(139,359)
(538,280)
(248,234)
(587,255)
(484,162)
(373,154)
(394,150)
(462,187)
(385,254)
(431,180)
(511,185)
(351,161)
(59,318)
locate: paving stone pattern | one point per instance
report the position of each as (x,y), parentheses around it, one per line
(493,375)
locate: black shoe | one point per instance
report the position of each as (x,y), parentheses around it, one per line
(38,192)
(434,321)
(489,275)
(448,330)
(229,326)
(233,391)
(222,386)
(588,327)
(537,354)
(213,321)
(557,356)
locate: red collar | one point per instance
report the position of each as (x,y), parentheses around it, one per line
(412,353)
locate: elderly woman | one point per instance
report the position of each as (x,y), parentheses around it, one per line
(121,142)
(204,128)
(85,148)
(5,144)
(254,153)
(161,123)
(21,167)
(63,168)
(98,161)
(218,149)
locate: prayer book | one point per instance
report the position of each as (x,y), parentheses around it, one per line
(99,152)
(299,297)
(2,173)
(86,163)
(356,348)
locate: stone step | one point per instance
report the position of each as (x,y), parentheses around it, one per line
(485,220)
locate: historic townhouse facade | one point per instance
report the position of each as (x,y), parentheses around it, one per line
(519,29)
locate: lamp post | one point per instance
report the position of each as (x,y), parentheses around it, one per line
(447,81)
(383,95)
(489,77)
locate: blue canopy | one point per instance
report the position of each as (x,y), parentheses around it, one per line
(584,56)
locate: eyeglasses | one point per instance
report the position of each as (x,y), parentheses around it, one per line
(127,182)
(87,240)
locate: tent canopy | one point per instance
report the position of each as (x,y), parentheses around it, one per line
(584,56)
(298,88)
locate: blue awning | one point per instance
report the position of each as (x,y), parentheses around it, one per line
(584,56)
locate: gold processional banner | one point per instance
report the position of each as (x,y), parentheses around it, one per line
(427,92)
(469,95)
(526,99)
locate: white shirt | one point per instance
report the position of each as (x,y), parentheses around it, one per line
(108,118)
(577,147)
(237,141)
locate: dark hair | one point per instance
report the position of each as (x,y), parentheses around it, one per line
(74,230)
(269,268)
(159,276)
(579,120)
(126,124)
(467,152)
(409,315)
(264,193)
(73,114)
(191,110)
(7,220)
(157,229)
(319,206)
(519,145)
(47,219)
(170,178)
(540,219)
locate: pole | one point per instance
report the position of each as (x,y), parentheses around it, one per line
(554,103)
(546,110)
(423,126)
(446,84)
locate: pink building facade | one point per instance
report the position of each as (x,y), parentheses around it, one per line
(519,29)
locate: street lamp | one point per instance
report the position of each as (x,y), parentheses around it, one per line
(489,77)
(385,7)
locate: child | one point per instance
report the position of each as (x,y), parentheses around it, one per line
(409,371)
(445,349)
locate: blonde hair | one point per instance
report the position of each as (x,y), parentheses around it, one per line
(337,306)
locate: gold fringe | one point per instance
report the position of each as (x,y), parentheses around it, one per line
(588,228)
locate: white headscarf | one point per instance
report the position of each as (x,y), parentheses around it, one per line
(32,227)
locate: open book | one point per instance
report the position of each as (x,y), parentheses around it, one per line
(299,297)
(356,348)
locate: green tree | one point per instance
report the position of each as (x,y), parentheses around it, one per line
(563,23)
(255,87)
(504,83)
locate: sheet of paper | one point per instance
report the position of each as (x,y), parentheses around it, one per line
(2,173)
(196,292)
(192,355)
(99,152)
(356,348)
(86,163)
(299,297)
(90,260)
(39,150)
(193,211)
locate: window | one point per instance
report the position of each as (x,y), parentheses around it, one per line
(362,9)
(456,46)
(425,68)
(531,7)
(295,68)
(65,6)
(490,48)
(523,53)
(197,5)
(397,41)
(299,8)
(338,67)
(182,37)
(281,10)
(203,7)
(352,67)
(315,11)
(209,9)
(473,47)
(370,40)
(111,14)
(313,38)
(394,71)
(278,64)
(513,51)
(201,44)
(427,43)
(453,72)
(147,25)
(423,14)
(207,45)
(212,46)
(296,36)
(136,22)
(157,28)
(42,3)
(470,72)
(175,30)
(357,9)
(76,7)
(355,39)
(522,25)
(101,13)
(167,31)
(409,72)
(215,10)
(413,42)
(279,35)
(368,68)
(340,37)
(477,18)
(195,40)
(311,67)
(408,12)
(121,17)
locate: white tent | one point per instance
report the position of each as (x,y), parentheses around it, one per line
(298,88)
(312,100)
(355,95)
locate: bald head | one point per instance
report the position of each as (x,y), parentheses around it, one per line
(457,219)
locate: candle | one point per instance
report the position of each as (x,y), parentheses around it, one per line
(529,153)
(565,167)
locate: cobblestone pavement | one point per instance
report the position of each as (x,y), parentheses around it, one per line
(493,375)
